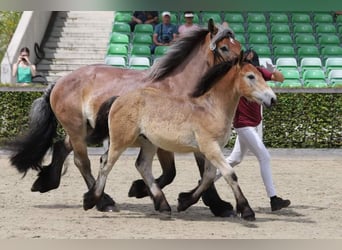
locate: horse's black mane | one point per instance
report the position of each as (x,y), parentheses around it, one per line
(212,76)
(176,54)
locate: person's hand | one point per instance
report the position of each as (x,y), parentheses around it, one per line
(19,59)
(271,68)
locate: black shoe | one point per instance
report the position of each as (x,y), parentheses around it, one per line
(278,203)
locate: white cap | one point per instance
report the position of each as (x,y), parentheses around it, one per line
(188,15)
(166,13)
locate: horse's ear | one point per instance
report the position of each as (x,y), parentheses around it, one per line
(241,58)
(211,27)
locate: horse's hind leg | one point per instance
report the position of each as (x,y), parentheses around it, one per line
(144,166)
(167,162)
(210,197)
(50,176)
(82,162)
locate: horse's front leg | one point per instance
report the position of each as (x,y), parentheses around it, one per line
(167,162)
(210,197)
(216,157)
(186,199)
(144,166)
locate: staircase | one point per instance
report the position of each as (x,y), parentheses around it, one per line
(77,38)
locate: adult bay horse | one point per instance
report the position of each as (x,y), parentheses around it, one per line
(74,101)
(200,123)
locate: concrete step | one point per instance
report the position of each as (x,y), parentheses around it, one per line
(77,55)
(79,40)
(75,50)
(61,67)
(72,44)
(72,61)
(82,29)
(73,24)
(80,35)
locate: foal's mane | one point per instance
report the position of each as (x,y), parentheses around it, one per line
(177,53)
(212,76)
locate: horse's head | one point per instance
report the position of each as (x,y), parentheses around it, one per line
(221,42)
(251,84)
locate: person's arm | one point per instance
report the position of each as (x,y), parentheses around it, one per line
(33,70)
(15,67)
(276,74)
(155,40)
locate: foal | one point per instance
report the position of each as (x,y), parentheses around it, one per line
(199,123)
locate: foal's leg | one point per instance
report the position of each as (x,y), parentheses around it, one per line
(144,166)
(167,162)
(210,196)
(214,154)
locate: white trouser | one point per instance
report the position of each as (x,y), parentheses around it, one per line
(248,138)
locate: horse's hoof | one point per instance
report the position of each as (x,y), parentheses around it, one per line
(246,213)
(45,182)
(138,189)
(89,200)
(106,204)
(185,200)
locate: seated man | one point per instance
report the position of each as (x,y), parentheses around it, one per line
(165,32)
(145,17)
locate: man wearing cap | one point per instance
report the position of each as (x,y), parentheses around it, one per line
(165,32)
(188,25)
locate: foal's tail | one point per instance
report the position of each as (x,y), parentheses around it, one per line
(101,131)
(29,149)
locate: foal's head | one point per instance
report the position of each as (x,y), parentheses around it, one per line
(236,76)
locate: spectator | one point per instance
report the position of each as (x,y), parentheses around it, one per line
(147,17)
(188,25)
(23,69)
(165,32)
(247,118)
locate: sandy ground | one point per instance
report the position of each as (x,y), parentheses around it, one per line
(311,179)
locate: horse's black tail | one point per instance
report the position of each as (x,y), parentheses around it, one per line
(101,131)
(29,149)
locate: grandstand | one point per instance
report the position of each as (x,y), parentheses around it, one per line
(305,46)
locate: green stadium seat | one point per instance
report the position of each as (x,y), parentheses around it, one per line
(281,39)
(264,60)
(139,63)
(324,28)
(302,28)
(323,18)
(143,28)
(258,39)
(240,38)
(278,18)
(262,50)
(333,63)
(160,51)
(256,18)
(119,38)
(280,28)
(141,50)
(300,18)
(305,39)
(331,51)
(314,78)
(142,38)
(237,27)
(293,83)
(339,29)
(117,50)
(284,51)
(123,17)
(121,28)
(337,84)
(308,51)
(257,28)
(286,63)
(195,19)
(335,76)
(310,63)
(215,16)
(233,18)
(117,61)
(329,39)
